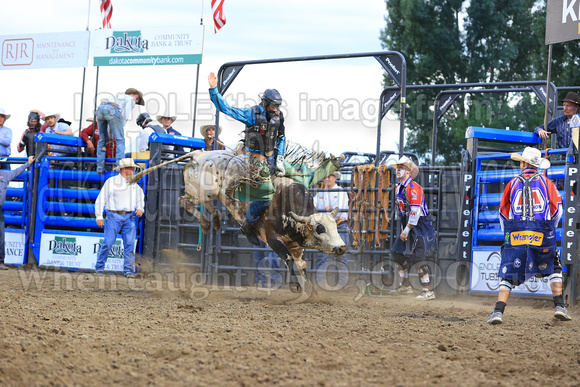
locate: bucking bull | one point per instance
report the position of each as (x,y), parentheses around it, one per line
(290,224)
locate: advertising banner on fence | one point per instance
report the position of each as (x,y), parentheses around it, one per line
(484,270)
(78,252)
(44,51)
(14,247)
(148,47)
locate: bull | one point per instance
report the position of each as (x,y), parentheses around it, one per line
(290,224)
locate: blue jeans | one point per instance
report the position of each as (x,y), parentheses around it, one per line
(266,260)
(256,208)
(341,264)
(118,224)
(110,124)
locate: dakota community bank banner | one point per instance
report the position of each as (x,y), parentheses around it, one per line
(42,51)
(148,47)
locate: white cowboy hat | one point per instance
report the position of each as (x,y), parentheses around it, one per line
(126,163)
(337,175)
(51,114)
(204,128)
(3,112)
(533,157)
(160,116)
(407,162)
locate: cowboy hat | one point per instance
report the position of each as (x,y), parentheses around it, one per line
(126,163)
(204,128)
(3,112)
(533,157)
(573,98)
(51,114)
(336,175)
(407,162)
(159,117)
(132,90)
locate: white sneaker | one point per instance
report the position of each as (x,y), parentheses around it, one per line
(425,295)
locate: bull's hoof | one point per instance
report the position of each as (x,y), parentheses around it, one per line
(217,222)
(295,287)
(205,226)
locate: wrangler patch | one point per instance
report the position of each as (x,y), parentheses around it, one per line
(533,238)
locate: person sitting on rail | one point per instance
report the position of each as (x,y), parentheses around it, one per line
(561,125)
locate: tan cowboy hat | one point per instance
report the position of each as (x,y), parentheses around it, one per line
(92,119)
(204,128)
(132,90)
(533,157)
(337,175)
(3,112)
(126,163)
(407,162)
(51,114)
(160,116)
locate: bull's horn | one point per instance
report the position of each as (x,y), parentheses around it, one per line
(334,212)
(135,178)
(300,218)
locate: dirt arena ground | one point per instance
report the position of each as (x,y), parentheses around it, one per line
(61,328)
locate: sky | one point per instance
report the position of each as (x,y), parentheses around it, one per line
(329,105)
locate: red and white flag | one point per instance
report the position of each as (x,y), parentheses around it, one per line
(219,20)
(106,12)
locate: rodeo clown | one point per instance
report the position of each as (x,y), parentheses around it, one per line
(418,236)
(265,143)
(530,210)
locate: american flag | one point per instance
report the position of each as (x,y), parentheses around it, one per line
(106,12)
(219,19)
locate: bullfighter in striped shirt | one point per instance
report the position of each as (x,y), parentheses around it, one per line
(530,210)
(418,236)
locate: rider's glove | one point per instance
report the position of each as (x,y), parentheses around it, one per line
(280,170)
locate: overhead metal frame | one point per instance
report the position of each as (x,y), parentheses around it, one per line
(388,98)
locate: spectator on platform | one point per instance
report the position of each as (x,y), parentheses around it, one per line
(144,121)
(5,137)
(208,133)
(121,202)
(56,127)
(27,139)
(112,115)
(90,135)
(167,121)
(561,125)
(5,178)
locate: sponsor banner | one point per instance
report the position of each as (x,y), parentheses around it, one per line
(42,51)
(562,21)
(15,247)
(148,47)
(78,252)
(484,276)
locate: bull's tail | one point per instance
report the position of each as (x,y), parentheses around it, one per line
(137,177)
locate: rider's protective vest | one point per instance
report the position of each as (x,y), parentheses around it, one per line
(261,137)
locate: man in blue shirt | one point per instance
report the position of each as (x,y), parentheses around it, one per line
(560,125)
(5,178)
(5,135)
(56,127)
(265,141)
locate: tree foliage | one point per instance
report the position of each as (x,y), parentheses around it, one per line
(456,41)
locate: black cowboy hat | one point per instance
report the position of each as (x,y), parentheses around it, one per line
(573,98)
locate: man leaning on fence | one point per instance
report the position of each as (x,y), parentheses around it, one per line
(5,178)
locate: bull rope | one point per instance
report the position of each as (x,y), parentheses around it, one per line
(135,178)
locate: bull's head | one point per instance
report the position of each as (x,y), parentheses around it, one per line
(320,232)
